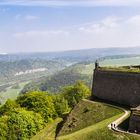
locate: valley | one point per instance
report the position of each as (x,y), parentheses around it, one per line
(57,77)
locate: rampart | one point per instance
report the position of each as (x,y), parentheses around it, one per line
(118,87)
(134,123)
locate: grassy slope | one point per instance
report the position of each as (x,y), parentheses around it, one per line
(11,93)
(93,125)
(48,133)
(85,114)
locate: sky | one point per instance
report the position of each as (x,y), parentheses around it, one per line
(57,25)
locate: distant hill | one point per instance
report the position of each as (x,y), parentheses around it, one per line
(23,70)
(73,55)
(79,71)
(68,76)
(30,66)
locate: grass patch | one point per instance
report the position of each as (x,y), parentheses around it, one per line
(11,93)
(93,126)
(121,69)
(120,61)
(48,133)
(85,114)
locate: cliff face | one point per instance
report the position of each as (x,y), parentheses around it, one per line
(118,87)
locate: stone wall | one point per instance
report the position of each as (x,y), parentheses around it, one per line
(134,123)
(118,87)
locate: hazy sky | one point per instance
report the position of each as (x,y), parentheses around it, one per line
(48,25)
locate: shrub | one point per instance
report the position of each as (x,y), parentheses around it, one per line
(39,102)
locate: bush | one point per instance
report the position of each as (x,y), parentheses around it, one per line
(3,127)
(8,107)
(39,102)
(73,94)
(24,124)
(20,125)
(60,104)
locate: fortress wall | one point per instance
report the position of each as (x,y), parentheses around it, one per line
(134,123)
(118,87)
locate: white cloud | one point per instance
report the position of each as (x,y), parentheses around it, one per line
(38,40)
(112,32)
(108,32)
(135,20)
(111,22)
(102,26)
(72,2)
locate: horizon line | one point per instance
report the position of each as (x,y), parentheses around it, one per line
(59,51)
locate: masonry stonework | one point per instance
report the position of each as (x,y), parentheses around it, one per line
(134,123)
(118,87)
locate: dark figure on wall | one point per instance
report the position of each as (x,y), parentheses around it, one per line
(96,64)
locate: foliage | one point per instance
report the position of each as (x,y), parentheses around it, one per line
(3,127)
(39,102)
(75,93)
(23,118)
(60,104)
(24,124)
(8,107)
(66,77)
(18,123)
(10,68)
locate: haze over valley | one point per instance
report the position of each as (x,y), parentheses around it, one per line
(70,70)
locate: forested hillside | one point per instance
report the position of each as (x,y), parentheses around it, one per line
(28,69)
(81,71)
(13,64)
(31,112)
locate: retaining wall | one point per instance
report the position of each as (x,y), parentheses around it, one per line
(118,87)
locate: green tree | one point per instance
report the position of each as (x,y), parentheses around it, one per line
(60,104)
(8,107)
(75,93)
(23,124)
(3,127)
(39,102)
(20,124)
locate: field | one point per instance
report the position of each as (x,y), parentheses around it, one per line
(92,125)
(121,61)
(11,92)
